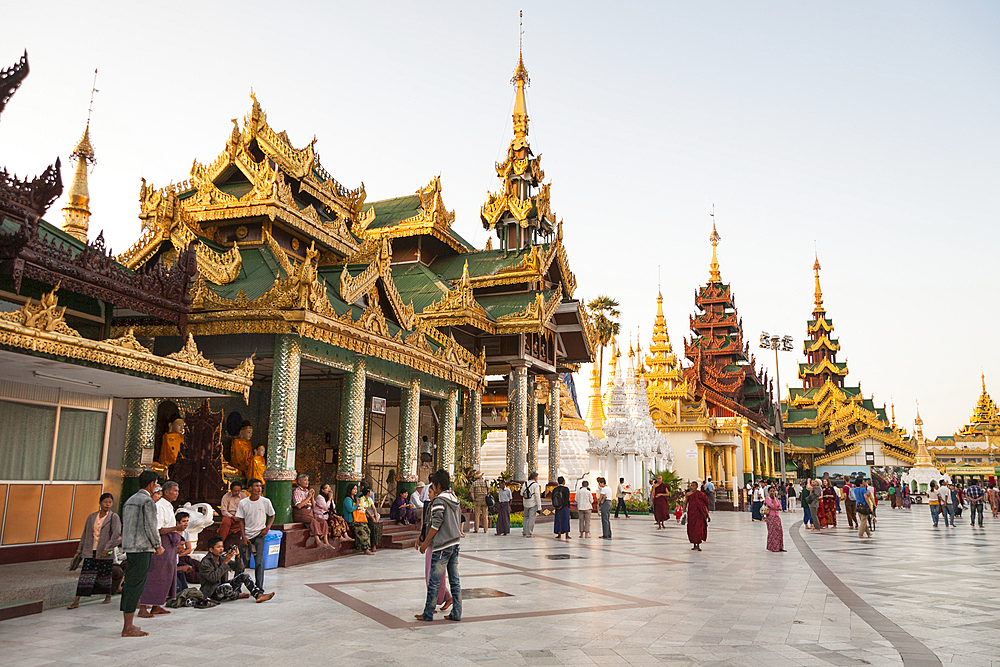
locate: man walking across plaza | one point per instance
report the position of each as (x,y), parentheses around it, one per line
(850,507)
(864,503)
(976,496)
(709,490)
(944,497)
(140,540)
(620,496)
(479,491)
(532,501)
(257,515)
(443,534)
(604,502)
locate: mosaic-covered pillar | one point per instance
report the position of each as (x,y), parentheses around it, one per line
(352,427)
(555,425)
(472,430)
(280,472)
(409,436)
(446,432)
(140,436)
(517,417)
(532,428)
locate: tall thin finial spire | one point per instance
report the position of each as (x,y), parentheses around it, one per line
(76,213)
(520,34)
(818,294)
(93,90)
(714,275)
(521,81)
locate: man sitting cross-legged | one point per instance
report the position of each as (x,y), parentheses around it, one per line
(214,573)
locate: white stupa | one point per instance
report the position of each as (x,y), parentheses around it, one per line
(923,472)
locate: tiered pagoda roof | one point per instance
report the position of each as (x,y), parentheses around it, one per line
(985,417)
(826,420)
(722,370)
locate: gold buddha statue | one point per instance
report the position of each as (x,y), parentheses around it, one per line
(173,439)
(258,465)
(241,453)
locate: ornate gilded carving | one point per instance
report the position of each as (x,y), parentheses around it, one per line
(42,330)
(44,316)
(284,403)
(189,354)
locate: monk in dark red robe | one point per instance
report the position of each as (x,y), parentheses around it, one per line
(661,505)
(697,516)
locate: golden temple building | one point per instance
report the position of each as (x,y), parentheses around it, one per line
(715,412)
(974,450)
(833,428)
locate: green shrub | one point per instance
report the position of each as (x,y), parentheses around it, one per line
(637,506)
(516,520)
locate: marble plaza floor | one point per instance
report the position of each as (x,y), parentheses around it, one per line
(912,595)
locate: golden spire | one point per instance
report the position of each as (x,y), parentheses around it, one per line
(714,275)
(818,304)
(595,410)
(893,415)
(612,368)
(520,116)
(76,213)
(924,459)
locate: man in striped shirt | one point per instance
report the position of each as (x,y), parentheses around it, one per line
(975,495)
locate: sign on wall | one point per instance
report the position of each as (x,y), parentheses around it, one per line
(869,458)
(691,453)
(378,405)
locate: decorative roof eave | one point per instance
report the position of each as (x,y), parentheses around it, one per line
(41,330)
(432,220)
(534,318)
(819,325)
(824,366)
(11,79)
(837,454)
(821,342)
(160,292)
(352,288)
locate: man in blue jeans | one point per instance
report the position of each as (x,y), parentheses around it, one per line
(443,533)
(976,496)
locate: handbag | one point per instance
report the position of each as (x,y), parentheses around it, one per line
(765,510)
(117,555)
(684,519)
(75,563)
(359,515)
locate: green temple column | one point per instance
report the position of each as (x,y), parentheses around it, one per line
(140,444)
(280,473)
(472,429)
(517,418)
(409,436)
(446,432)
(531,428)
(352,428)
(555,425)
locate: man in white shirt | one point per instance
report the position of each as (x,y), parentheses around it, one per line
(416,500)
(947,509)
(257,514)
(532,501)
(604,500)
(584,505)
(165,507)
(709,490)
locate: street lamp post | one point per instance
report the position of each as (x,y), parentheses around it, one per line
(784,344)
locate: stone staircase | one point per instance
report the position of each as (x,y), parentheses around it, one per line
(399,537)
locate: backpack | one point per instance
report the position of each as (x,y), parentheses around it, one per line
(490,501)
(560,497)
(526,491)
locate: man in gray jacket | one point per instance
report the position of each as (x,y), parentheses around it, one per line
(443,535)
(140,540)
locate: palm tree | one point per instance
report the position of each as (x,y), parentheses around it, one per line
(605,312)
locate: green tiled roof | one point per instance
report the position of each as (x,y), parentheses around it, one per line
(814,440)
(455,235)
(416,283)
(498,305)
(798,414)
(257,275)
(388,212)
(811,367)
(481,263)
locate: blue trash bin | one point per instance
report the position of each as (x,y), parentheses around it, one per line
(272,549)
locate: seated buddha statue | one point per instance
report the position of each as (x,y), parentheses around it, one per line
(173,439)
(241,452)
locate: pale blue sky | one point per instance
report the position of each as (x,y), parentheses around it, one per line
(868,128)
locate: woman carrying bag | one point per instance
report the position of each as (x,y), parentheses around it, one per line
(101,534)
(357,521)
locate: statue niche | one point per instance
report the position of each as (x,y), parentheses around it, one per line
(199,468)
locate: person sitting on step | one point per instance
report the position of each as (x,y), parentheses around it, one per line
(214,573)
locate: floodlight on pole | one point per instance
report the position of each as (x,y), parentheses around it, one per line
(784,344)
